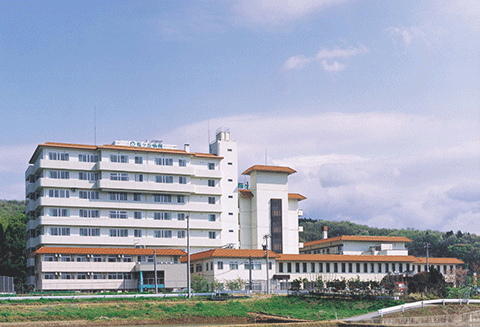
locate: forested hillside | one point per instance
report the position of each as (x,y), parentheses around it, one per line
(12,241)
(464,246)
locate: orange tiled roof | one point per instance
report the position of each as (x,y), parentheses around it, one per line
(440,261)
(273,169)
(296,196)
(229,253)
(359,238)
(119,147)
(115,251)
(246,193)
(346,258)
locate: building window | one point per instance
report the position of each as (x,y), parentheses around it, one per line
(48,276)
(48,257)
(162,233)
(138,160)
(312,267)
(182,162)
(137,215)
(230,213)
(182,180)
(400,267)
(379,267)
(211,166)
(67,276)
(276,225)
(118,158)
(230,196)
(89,231)
(230,163)
(164,179)
(211,200)
(344,268)
(137,197)
(280,267)
(67,258)
(97,258)
(180,216)
(91,195)
(137,233)
(211,217)
(233,266)
(118,196)
(320,267)
(59,231)
(118,232)
(335,267)
(138,177)
(88,158)
(117,214)
(119,177)
(229,150)
(58,156)
(180,198)
(162,215)
(372,268)
(57,174)
(164,161)
(212,235)
(211,182)
(304,267)
(59,193)
(289,267)
(220,265)
(327,267)
(162,198)
(81,258)
(393,267)
(181,234)
(57,212)
(350,267)
(85,176)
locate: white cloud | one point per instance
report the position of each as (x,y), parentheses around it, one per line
(300,61)
(372,168)
(276,12)
(407,34)
(333,68)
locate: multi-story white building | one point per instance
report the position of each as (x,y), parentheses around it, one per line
(266,208)
(132,196)
(141,195)
(357,245)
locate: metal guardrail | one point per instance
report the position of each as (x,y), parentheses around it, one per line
(421,304)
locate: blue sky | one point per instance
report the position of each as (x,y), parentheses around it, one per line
(376,104)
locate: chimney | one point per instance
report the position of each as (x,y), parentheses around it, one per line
(186,147)
(324,232)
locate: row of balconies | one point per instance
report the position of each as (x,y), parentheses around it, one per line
(123,205)
(131,186)
(149,223)
(200,171)
(130,241)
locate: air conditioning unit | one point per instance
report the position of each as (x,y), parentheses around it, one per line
(56,255)
(56,273)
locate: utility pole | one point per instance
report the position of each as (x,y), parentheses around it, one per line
(188,257)
(155,269)
(250,271)
(427,246)
(266,236)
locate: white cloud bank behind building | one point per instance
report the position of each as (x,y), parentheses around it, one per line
(380,169)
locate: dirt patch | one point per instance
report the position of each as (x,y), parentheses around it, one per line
(436,310)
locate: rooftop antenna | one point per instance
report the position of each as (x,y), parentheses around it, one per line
(208,129)
(95,124)
(265,156)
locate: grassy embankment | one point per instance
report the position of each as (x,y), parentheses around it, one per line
(178,311)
